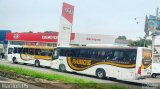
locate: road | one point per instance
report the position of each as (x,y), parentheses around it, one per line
(111,81)
(48,70)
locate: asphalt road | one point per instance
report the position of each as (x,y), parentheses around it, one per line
(48,70)
(112,81)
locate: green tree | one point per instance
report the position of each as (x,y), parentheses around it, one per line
(141,42)
(122,37)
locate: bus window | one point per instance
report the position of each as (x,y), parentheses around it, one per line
(63,52)
(93,54)
(50,53)
(19,50)
(56,54)
(110,55)
(37,52)
(118,55)
(44,52)
(25,50)
(15,50)
(88,53)
(102,55)
(75,52)
(10,50)
(82,53)
(130,56)
(31,51)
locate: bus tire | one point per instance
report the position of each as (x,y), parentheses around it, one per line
(154,75)
(14,60)
(100,73)
(37,63)
(62,68)
(24,63)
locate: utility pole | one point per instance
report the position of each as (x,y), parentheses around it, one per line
(153,43)
(154,33)
(144,45)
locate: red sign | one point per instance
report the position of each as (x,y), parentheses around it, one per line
(67,12)
(35,37)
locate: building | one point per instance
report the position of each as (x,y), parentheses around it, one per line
(3,41)
(3,36)
(50,39)
(84,39)
(1,48)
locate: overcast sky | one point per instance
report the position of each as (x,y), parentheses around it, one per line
(109,17)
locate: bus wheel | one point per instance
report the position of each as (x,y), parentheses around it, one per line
(37,63)
(14,60)
(100,73)
(154,75)
(62,68)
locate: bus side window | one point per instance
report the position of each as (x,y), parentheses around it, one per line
(25,50)
(102,56)
(15,50)
(118,55)
(129,56)
(10,50)
(56,54)
(31,51)
(82,53)
(19,50)
(37,52)
(110,55)
(50,53)
(132,57)
(88,53)
(93,53)
(63,52)
(68,53)
(44,52)
(75,52)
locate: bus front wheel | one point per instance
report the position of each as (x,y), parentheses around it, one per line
(62,68)
(37,63)
(100,73)
(14,60)
(154,75)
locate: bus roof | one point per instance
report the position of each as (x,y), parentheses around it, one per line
(39,47)
(116,47)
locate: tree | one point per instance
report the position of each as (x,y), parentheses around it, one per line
(141,42)
(122,37)
(30,32)
(49,31)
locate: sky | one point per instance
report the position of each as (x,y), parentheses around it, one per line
(107,17)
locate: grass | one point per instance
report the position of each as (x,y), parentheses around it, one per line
(62,78)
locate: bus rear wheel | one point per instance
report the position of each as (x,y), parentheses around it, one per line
(62,68)
(14,60)
(37,63)
(100,73)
